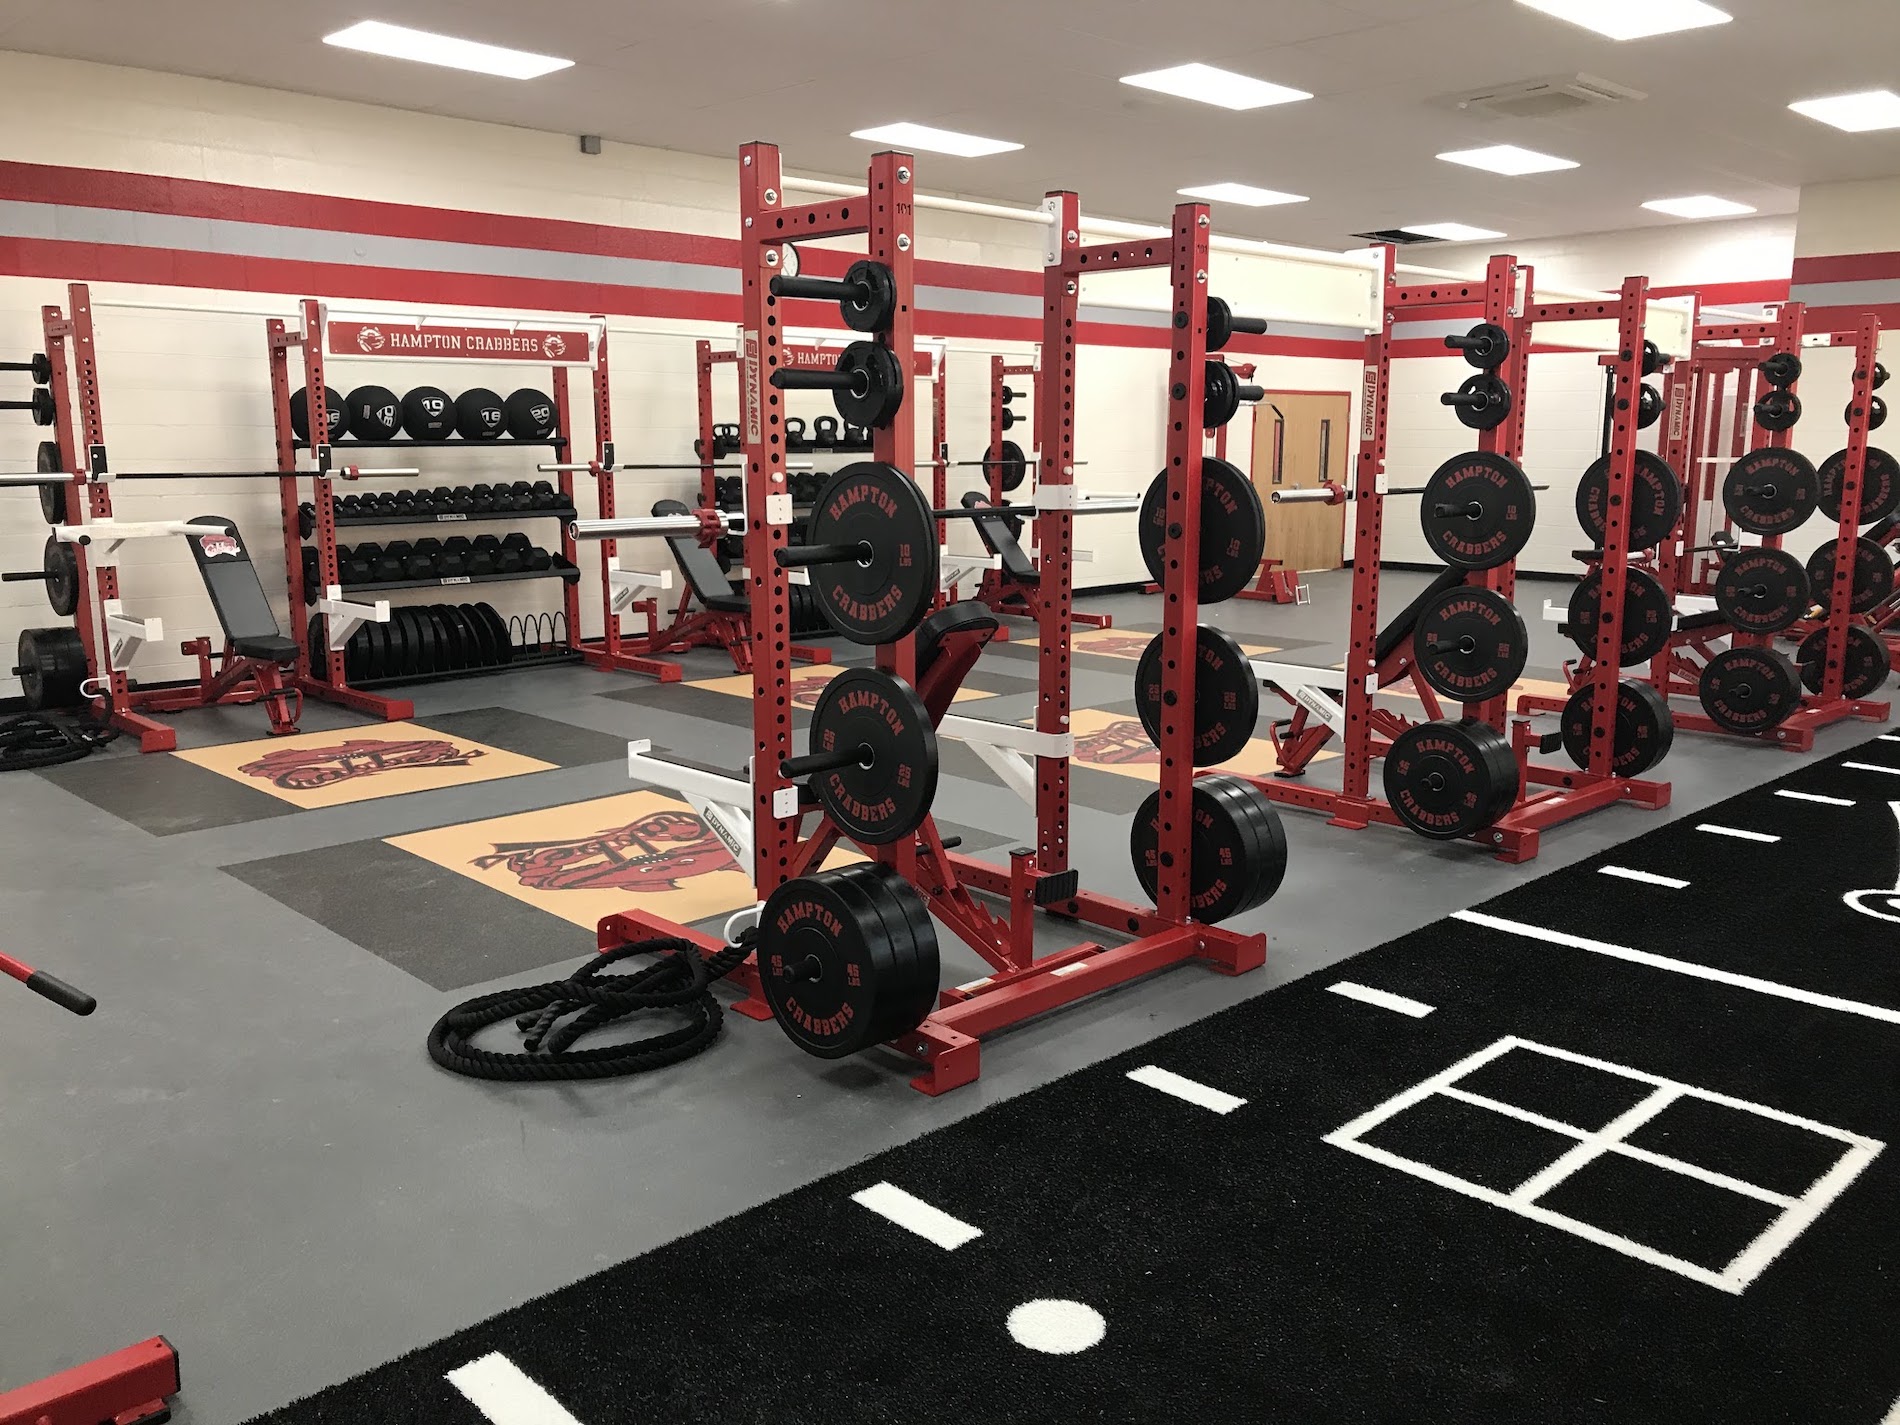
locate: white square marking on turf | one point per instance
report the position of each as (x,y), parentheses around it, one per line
(1816,797)
(1384,999)
(506,1394)
(1648,878)
(1183,1088)
(1797,1212)
(1736,832)
(913,1214)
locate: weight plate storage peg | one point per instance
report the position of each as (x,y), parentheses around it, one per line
(1770,491)
(1873,575)
(871,545)
(1226,696)
(1451,778)
(1781,369)
(1233,530)
(1642,732)
(1761,590)
(1749,690)
(1470,643)
(845,960)
(1879,486)
(1221,396)
(1864,669)
(1477,511)
(1486,346)
(1482,403)
(1648,616)
(873,759)
(1237,848)
(1655,500)
(51,667)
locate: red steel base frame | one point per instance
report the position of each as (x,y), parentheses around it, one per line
(356,699)
(128,1387)
(1011,601)
(1796,734)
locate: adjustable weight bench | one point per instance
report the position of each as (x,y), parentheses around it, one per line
(256,657)
(1007,590)
(724,619)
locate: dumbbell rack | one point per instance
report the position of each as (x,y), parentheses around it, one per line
(948,1042)
(343,607)
(1700,388)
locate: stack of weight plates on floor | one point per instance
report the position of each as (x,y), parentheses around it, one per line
(808,618)
(420,641)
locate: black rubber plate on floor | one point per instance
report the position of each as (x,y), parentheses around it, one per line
(1583,1177)
(165,796)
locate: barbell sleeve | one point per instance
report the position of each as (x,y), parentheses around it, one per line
(26,576)
(633,526)
(812,763)
(788,380)
(1318,495)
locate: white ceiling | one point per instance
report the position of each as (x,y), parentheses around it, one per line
(707,75)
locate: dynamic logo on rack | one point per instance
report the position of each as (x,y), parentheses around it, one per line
(216,545)
(659,852)
(371,340)
(304,769)
(1882,902)
(1120,744)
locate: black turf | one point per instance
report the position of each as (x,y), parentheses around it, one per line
(1251,1270)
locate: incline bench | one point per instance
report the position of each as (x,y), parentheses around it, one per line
(1006,591)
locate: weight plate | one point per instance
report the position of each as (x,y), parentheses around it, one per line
(1781,369)
(1270,854)
(428,413)
(873,298)
(375,651)
(473,639)
(1770,492)
(1226,696)
(51,667)
(396,659)
(480,635)
(828,967)
(448,651)
(1450,778)
(1864,669)
(1762,590)
(356,655)
(1649,407)
(1226,851)
(52,497)
(1879,489)
(1488,346)
(1648,616)
(1778,410)
(1477,510)
(1233,530)
(876,389)
(912,937)
(504,645)
(1749,690)
(1015,465)
(1873,575)
(1470,643)
(1220,395)
(884,595)
(424,640)
(1655,501)
(886,794)
(61,566)
(1485,402)
(1641,734)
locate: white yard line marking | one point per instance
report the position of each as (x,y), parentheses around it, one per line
(1648,878)
(1384,999)
(1816,797)
(1890,737)
(1871,767)
(503,1392)
(1736,832)
(1681,967)
(1797,1213)
(1195,1093)
(913,1214)
(1892,1417)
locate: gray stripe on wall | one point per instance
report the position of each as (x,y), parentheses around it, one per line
(1873,292)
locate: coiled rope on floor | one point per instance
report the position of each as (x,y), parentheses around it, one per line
(552,1016)
(29,741)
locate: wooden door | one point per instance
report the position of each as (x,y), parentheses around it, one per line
(1302,439)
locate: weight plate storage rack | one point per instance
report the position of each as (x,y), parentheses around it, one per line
(320,339)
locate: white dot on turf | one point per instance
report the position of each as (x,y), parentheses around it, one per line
(1058,1328)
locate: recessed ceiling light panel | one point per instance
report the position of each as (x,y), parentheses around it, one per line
(1452,232)
(398,42)
(1856,113)
(1633,19)
(921,137)
(1208,85)
(1703,206)
(1508,159)
(1242,193)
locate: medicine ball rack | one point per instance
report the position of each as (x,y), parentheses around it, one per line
(319,338)
(1547,794)
(764,810)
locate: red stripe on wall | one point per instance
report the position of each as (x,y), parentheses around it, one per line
(1850,267)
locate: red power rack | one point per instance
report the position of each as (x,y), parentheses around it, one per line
(1023,986)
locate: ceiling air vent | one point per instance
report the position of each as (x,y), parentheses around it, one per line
(1398,237)
(1546,98)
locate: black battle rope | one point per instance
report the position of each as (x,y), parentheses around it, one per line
(680,979)
(33,740)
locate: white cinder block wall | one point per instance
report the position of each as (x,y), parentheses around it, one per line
(190,390)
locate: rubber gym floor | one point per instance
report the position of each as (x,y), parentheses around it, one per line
(1289,1212)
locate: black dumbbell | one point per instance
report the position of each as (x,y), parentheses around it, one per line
(428,550)
(504,500)
(462,500)
(452,562)
(546,497)
(384,567)
(539,560)
(508,559)
(481,555)
(352,566)
(518,546)
(306,519)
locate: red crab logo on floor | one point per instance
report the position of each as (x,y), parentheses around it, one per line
(371,339)
(1118,645)
(215,544)
(808,687)
(659,852)
(1120,744)
(304,769)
